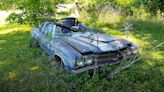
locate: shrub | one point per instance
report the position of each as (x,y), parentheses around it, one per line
(33,11)
(128,7)
(13,17)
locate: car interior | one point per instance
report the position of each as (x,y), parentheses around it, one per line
(71,23)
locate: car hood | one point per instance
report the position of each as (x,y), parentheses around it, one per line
(86,42)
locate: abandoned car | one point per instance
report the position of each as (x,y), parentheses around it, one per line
(78,48)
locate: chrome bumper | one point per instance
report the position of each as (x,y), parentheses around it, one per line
(86,68)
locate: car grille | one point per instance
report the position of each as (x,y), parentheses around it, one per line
(107,57)
(112,57)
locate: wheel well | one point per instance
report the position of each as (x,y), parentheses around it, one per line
(57,58)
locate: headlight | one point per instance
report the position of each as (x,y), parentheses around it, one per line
(84,61)
(88,61)
(134,49)
(129,52)
(80,62)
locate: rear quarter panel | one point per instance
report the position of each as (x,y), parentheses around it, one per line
(35,33)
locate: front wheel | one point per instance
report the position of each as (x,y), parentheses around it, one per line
(60,61)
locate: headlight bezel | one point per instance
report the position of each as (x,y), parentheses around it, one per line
(80,62)
(84,61)
(134,49)
(88,61)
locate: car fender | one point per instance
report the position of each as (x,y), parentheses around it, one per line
(66,53)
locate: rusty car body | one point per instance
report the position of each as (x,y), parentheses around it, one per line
(79,49)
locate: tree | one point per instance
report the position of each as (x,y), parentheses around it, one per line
(33,11)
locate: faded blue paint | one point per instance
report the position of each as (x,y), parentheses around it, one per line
(72,46)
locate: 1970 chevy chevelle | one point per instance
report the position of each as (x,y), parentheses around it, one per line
(79,49)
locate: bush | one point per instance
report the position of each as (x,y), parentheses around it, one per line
(33,11)
(128,7)
(13,17)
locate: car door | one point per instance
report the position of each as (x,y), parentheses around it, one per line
(56,34)
(46,36)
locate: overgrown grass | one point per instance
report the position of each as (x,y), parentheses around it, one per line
(29,69)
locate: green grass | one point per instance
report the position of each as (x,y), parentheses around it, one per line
(29,69)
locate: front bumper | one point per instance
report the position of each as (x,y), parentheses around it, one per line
(125,57)
(86,68)
(93,66)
